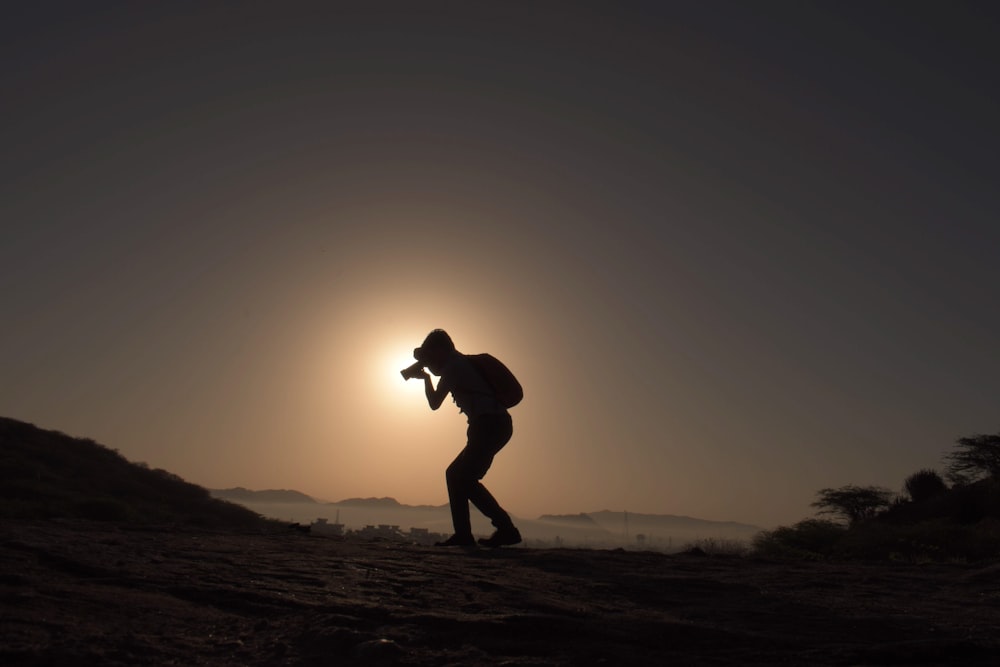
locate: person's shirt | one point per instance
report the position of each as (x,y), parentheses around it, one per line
(473,395)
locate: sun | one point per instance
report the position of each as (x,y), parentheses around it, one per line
(387,380)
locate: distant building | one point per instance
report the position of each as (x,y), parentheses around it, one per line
(323,527)
(383,531)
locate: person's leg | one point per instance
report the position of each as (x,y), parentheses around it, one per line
(459,481)
(484,501)
(488,436)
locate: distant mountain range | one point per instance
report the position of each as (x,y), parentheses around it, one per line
(239,494)
(600,527)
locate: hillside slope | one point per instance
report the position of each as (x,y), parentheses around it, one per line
(47,474)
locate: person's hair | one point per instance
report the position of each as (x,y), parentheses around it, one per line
(438,339)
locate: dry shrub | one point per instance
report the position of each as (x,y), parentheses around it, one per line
(809,539)
(718,546)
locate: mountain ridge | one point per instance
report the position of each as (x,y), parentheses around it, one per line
(599,519)
(238,493)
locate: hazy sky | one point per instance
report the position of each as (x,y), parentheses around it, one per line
(735,251)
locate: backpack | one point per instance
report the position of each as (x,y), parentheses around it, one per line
(505,385)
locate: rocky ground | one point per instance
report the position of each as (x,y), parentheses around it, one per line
(93,593)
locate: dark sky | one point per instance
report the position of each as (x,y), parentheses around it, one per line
(736,252)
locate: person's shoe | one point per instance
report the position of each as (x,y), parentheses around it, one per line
(457,541)
(501,538)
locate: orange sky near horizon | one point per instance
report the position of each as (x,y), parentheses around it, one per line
(734,254)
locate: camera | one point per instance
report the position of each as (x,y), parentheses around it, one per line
(413,371)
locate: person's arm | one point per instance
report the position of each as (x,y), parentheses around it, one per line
(435,396)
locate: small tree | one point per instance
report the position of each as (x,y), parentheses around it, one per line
(854,503)
(924,485)
(974,458)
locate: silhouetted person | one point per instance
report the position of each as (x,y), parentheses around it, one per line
(490,428)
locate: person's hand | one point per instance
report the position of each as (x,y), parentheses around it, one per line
(422,375)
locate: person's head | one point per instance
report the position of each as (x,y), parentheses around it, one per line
(435,350)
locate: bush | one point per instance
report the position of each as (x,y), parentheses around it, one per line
(924,485)
(811,539)
(927,541)
(971,503)
(719,547)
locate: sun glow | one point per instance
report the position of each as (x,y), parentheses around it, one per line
(387,379)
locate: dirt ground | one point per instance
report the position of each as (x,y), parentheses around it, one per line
(89,593)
